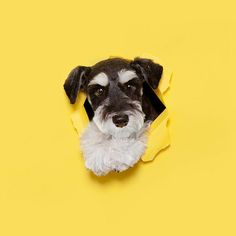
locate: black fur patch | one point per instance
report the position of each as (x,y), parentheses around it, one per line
(120,97)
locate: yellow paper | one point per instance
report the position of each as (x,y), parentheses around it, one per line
(158,135)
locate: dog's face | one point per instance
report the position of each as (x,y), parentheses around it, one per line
(114,89)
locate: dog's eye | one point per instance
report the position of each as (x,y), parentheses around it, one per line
(99,92)
(130,86)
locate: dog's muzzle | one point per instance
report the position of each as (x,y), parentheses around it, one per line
(120,124)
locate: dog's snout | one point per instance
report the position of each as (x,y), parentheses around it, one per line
(120,120)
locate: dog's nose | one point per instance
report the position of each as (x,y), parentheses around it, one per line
(120,120)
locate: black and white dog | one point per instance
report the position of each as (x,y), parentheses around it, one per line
(115,138)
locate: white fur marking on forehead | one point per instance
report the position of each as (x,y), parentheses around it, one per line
(126,75)
(100,79)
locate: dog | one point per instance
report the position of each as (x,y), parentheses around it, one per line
(115,138)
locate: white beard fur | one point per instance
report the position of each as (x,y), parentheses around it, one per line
(104,153)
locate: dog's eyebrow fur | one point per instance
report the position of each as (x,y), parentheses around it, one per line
(126,75)
(100,79)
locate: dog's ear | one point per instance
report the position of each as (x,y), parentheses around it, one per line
(75,82)
(149,70)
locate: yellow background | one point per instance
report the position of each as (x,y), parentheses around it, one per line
(44,188)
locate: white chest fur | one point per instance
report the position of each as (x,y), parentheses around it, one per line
(104,153)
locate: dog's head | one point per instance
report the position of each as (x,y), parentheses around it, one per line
(114,89)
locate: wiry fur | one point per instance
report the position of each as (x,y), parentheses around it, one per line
(106,125)
(115,138)
(104,153)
